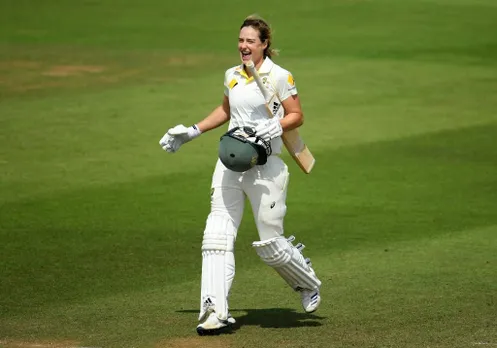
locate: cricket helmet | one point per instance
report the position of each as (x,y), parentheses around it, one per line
(240,149)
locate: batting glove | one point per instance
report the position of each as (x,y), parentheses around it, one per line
(177,136)
(269,129)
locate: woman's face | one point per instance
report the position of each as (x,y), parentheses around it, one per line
(250,45)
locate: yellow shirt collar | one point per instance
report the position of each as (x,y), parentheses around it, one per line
(265,68)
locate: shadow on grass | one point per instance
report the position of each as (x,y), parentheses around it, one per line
(271,318)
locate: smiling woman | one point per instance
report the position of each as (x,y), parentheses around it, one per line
(255,37)
(239,174)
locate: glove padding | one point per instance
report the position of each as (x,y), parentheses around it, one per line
(269,129)
(177,136)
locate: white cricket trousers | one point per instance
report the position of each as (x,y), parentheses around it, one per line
(266,189)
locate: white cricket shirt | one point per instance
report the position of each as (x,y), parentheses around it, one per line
(247,104)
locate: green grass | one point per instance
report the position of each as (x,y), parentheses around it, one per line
(100,230)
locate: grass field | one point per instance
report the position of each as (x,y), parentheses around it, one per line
(100,229)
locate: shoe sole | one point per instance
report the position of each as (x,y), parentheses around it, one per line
(213,332)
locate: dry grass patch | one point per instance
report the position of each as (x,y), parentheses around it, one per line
(34,68)
(197,342)
(38,344)
(72,70)
(19,64)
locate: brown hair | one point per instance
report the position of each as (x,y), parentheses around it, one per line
(265,32)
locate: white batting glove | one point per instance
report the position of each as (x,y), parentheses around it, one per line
(177,136)
(269,129)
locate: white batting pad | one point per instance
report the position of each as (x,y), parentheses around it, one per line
(218,265)
(289,262)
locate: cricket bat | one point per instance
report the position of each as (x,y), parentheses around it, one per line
(292,140)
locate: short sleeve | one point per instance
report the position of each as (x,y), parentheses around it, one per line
(226,84)
(286,85)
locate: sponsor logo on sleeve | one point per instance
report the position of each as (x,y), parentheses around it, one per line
(233,83)
(291,83)
(290,80)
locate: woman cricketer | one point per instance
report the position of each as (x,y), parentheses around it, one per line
(264,185)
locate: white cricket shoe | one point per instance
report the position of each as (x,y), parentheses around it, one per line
(310,300)
(230,319)
(212,325)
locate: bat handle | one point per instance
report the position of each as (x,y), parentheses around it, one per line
(251,67)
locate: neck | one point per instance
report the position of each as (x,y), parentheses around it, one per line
(259,63)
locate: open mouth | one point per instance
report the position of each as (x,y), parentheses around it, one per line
(246,56)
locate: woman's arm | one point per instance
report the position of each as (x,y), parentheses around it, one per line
(177,136)
(216,118)
(294,117)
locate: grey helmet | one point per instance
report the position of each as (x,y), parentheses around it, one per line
(240,149)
